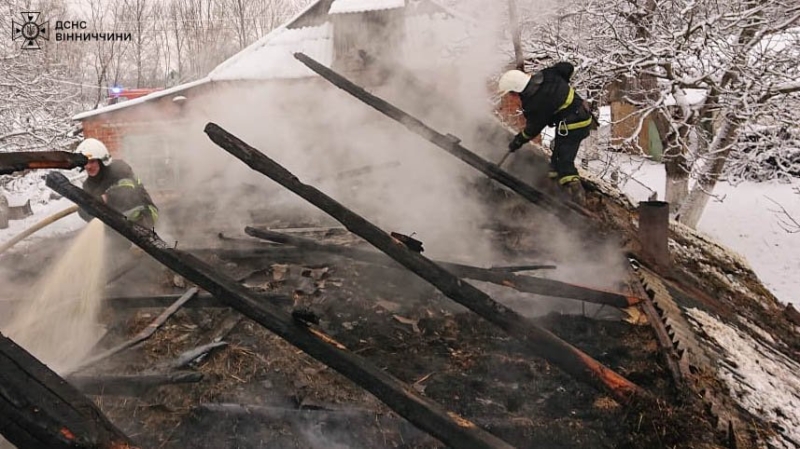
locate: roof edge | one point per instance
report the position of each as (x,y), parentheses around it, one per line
(140,100)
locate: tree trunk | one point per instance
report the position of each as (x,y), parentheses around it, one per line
(692,209)
(516,38)
(677,183)
(676,166)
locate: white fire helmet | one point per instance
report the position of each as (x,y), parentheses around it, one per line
(512,81)
(94,149)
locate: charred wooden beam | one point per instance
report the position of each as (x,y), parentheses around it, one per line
(448,143)
(202,300)
(538,340)
(275,254)
(526,284)
(39,410)
(28,160)
(448,427)
(130,384)
(518,268)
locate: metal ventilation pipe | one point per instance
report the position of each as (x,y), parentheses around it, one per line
(654,231)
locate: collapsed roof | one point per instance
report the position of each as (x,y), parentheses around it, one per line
(681,344)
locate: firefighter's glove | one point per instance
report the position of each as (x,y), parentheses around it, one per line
(518,142)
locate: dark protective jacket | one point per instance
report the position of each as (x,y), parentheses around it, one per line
(124,191)
(548,99)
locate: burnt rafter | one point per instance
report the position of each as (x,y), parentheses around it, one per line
(566,211)
(448,427)
(537,340)
(28,160)
(526,284)
(39,410)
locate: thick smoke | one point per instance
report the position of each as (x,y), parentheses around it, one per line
(318,131)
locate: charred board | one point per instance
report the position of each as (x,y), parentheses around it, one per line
(40,410)
(536,339)
(27,160)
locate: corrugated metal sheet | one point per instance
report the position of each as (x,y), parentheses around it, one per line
(355,6)
(274,57)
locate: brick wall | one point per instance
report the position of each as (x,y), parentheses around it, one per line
(510,112)
(104,131)
(112,127)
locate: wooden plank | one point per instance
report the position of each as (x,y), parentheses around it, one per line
(537,340)
(451,429)
(130,384)
(202,300)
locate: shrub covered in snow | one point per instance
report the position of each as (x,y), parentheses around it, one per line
(765,153)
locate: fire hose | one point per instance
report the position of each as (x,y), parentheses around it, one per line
(46,222)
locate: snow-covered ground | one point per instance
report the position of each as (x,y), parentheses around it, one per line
(745,218)
(43,204)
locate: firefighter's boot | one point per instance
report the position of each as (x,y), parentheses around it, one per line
(574,190)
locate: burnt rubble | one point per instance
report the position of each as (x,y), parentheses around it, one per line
(315,340)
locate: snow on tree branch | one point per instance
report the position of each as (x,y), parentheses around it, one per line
(706,72)
(785,220)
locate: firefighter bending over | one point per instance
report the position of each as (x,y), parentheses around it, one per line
(114,182)
(548,99)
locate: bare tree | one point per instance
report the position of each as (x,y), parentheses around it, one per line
(703,69)
(786,221)
(136,17)
(38,96)
(106,55)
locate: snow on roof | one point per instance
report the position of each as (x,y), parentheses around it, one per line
(272,56)
(140,100)
(690,97)
(761,380)
(353,6)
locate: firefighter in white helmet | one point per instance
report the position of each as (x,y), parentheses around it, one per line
(548,99)
(114,182)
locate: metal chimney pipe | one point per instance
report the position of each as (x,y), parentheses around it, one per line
(654,231)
